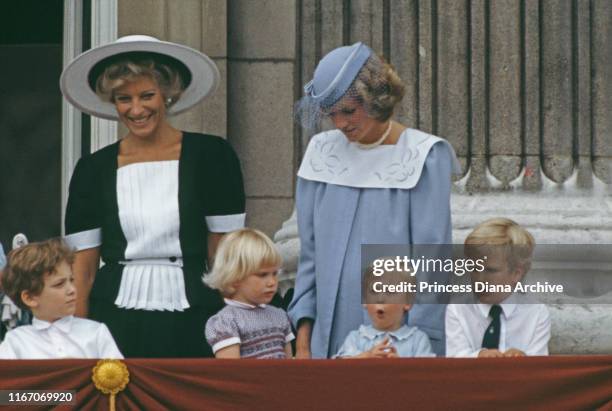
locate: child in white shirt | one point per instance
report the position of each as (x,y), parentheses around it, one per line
(38,277)
(501,324)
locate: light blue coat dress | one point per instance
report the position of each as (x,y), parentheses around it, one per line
(346,197)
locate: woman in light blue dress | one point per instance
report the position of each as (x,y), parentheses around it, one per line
(370,180)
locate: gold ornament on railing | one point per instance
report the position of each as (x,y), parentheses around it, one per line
(110,377)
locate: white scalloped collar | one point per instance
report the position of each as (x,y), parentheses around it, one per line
(332,158)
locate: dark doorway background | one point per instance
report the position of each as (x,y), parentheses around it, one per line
(30,119)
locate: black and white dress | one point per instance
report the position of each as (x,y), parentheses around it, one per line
(151,222)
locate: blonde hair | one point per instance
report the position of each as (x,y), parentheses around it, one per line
(27,267)
(240,254)
(506,236)
(117,74)
(380,88)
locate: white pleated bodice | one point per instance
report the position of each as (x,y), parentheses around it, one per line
(147,198)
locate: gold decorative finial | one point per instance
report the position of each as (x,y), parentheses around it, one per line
(110,377)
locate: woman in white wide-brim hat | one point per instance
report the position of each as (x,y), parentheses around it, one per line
(154,204)
(369,180)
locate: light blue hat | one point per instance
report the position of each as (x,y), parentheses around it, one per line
(336,72)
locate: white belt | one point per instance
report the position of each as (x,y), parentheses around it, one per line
(171,261)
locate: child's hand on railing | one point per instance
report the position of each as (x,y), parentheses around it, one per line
(513,352)
(490,353)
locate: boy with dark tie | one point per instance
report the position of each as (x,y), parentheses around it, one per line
(501,324)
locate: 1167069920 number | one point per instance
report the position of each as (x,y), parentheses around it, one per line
(37,397)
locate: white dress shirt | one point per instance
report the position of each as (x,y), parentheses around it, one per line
(525,327)
(68,337)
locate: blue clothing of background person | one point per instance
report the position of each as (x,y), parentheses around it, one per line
(2,257)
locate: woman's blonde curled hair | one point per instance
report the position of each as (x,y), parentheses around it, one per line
(379,87)
(240,254)
(117,74)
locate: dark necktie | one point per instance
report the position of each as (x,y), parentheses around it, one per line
(491,335)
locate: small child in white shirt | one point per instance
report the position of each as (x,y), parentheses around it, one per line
(38,277)
(502,323)
(245,269)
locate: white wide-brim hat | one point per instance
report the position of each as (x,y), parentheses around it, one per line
(78,84)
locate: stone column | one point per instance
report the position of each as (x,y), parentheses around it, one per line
(261,69)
